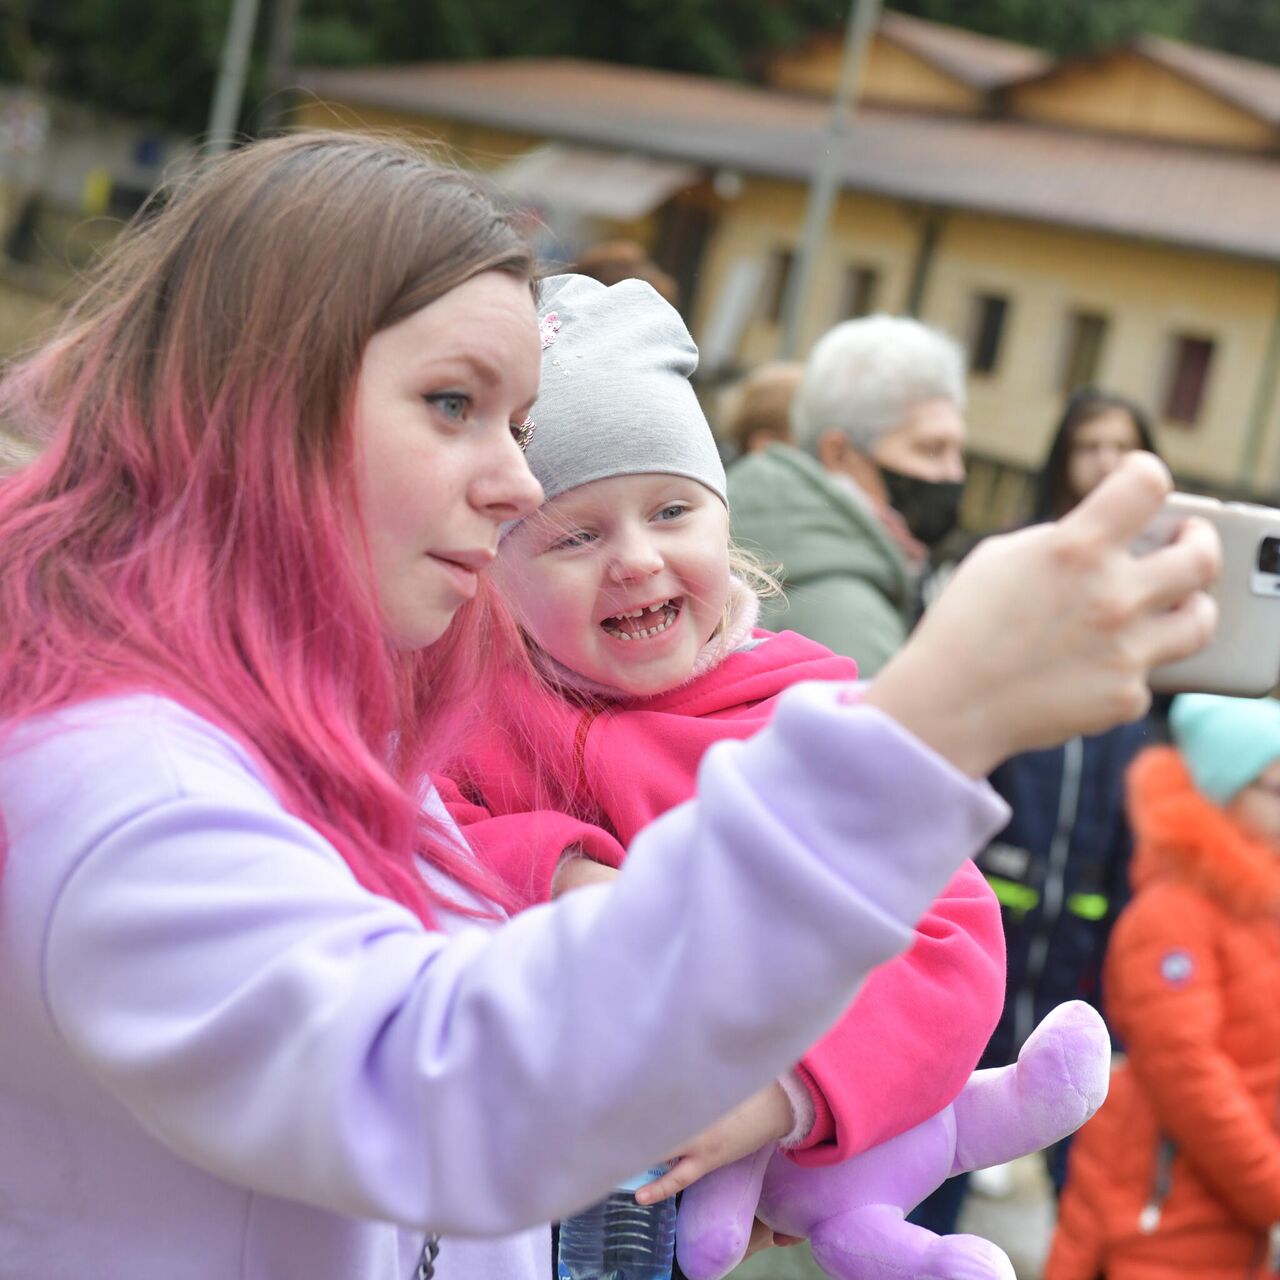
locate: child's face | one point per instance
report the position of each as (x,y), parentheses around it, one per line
(1257,807)
(585,560)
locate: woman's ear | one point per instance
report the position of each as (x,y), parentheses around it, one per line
(832,448)
(836,454)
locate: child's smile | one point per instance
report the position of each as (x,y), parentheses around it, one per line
(622,580)
(645,623)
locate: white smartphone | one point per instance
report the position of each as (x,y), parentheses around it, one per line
(1243,658)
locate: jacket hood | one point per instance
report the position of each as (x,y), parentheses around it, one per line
(816,526)
(1181,835)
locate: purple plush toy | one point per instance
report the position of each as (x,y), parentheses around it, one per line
(853,1213)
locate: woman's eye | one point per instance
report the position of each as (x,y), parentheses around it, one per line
(452,404)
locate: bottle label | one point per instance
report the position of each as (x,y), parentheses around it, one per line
(641,1179)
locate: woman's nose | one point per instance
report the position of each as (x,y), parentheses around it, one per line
(505,488)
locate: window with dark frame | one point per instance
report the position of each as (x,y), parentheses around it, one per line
(781,264)
(990,313)
(860,291)
(1191,361)
(1086,338)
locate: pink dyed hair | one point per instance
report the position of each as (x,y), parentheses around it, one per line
(181,529)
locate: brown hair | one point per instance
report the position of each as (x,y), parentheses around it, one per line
(185,528)
(761,402)
(613,261)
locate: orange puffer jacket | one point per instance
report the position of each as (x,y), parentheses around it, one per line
(1179,1173)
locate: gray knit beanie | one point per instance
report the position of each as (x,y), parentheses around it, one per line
(615,398)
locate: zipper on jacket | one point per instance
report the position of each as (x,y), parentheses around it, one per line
(1162,1180)
(1051,892)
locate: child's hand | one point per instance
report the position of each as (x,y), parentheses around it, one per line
(577,871)
(764,1117)
(1052,631)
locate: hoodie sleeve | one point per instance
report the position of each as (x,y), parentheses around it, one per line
(915,1032)
(212,963)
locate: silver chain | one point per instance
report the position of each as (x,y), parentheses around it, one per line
(427,1262)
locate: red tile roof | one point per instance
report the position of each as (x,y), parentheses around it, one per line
(980,61)
(1215,200)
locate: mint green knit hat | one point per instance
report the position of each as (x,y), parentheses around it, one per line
(1226,742)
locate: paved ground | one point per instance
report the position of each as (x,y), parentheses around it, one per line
(1021,1222)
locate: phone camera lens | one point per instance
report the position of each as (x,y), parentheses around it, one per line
(1269,556)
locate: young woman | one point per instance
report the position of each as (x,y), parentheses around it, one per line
(253,1024)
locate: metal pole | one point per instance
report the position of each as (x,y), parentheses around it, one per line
(1260,412)
(225,111)
(863,15)
(284,17)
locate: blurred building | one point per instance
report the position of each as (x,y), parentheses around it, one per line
(69,176)
(1109,218)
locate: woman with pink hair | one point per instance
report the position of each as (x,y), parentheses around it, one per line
(261,1017)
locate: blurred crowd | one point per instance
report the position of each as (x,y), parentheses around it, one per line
(1140,869)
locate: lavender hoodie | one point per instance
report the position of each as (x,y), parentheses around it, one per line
(224,1060)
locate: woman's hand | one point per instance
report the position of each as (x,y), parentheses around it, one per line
(1052,631)
(764,1117)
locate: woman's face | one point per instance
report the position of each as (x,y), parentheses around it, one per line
(437,398)
(1096,450)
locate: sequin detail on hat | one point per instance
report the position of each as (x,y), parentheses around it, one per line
(548,327)
(523,433)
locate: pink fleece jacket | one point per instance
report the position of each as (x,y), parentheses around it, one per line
(909,1041)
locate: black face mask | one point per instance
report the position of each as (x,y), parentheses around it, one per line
(931,508)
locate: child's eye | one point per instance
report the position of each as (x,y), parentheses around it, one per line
(578,538)
(673,512)
(451,404)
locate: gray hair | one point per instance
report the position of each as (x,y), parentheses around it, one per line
(864,375)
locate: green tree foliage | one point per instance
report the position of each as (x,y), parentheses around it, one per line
(1250,28)
(159,58)
(1061,26)
(156,59)
(715,37)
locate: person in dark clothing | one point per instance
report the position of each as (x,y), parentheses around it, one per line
(1060,867)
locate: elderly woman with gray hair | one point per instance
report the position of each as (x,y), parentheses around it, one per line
(872,482)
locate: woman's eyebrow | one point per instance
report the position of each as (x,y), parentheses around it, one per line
(484,369)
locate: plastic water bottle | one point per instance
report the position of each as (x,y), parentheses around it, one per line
(618,1239)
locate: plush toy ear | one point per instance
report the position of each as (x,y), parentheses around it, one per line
(1058,1082)
(716,1215)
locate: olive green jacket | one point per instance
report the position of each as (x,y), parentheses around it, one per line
(847,584)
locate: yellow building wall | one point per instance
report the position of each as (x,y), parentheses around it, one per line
(1125,93)
(892,75)
(865,231)
(1149,294)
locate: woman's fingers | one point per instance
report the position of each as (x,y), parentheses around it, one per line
(1188,564)
(1122,506)
(1177,633)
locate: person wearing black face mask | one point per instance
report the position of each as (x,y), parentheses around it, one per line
(871,486)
